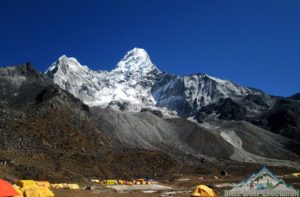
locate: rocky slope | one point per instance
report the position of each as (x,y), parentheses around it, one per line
(45,132)
(190,141)
(279,115)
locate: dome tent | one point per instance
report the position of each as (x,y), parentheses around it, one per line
(203,191)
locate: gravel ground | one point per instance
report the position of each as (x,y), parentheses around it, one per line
(179,188)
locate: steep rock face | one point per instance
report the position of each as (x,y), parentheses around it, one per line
(137,83)
(283,118)
(20,84)
(187,94)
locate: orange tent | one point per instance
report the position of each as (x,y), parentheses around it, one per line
(6,189)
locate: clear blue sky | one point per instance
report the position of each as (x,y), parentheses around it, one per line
(252,42)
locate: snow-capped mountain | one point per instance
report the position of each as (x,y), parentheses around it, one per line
(137,83)
(128,84)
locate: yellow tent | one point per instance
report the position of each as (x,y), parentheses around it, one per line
(65,186)
(73,186)
(110,182)
(121,182)
(95,180)
(58,185)
(43,183)
(203,191)
(38,192)
(26,183)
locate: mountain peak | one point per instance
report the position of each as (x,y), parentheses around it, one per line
(137,53)
(136,60)
(62,57)
(24,70)
(65,64)
(70,61)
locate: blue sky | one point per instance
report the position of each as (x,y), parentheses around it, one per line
(252,42)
